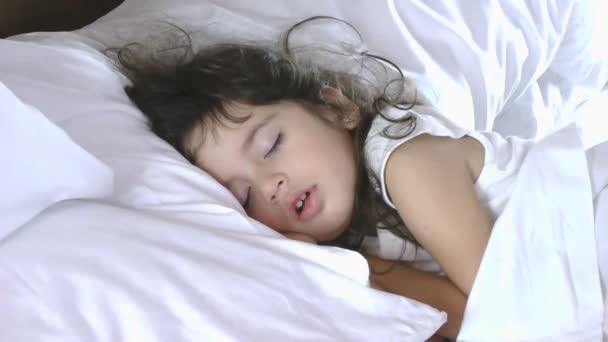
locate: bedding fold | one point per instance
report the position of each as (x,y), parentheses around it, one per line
(538,279)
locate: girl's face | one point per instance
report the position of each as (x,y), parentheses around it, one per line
(289,168)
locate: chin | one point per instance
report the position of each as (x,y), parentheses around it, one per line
(334,233)
(339,226)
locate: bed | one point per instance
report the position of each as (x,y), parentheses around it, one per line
(108,234)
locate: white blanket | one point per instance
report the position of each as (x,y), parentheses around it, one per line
(539,278)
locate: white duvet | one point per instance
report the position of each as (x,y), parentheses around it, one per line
(169,255)
(539,279)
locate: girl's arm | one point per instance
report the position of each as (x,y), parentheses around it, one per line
(436,291)
(431,181)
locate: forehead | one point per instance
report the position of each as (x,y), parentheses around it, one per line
(215,143)
(210,128)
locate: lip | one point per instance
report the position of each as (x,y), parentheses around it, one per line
(311,205)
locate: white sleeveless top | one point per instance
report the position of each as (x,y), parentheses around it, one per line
(502,160)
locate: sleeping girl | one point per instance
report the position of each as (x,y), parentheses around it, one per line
(329,157)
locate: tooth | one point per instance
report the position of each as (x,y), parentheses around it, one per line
(303,197)
(299,204)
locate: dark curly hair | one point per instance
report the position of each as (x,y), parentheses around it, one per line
(186,88)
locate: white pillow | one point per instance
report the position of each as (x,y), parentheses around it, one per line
(84,271)
(41,165)
(80,91)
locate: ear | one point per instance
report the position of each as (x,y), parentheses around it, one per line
(334,97)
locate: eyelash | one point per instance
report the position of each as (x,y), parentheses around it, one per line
(273,149)
(275,146)
(247,202)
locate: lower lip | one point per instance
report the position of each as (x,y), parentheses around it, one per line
(311,205)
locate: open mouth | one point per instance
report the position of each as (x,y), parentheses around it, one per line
(307,205)
(302,202)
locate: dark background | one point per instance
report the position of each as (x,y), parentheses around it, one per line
(21,16)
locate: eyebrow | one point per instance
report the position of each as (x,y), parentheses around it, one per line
(254,131)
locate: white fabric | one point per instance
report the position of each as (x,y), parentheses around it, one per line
(472,59)
(531,259)
(601,219)
(516,67)
(389,246)
(41,165)
(502,156)
(538,279)
(597,157)
(502,159)
(89,271)
(84,95)
(78,90)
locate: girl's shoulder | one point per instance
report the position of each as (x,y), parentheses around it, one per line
(385,136)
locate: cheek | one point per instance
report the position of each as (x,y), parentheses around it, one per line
(269,217)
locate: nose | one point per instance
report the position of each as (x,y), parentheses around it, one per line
(273,187)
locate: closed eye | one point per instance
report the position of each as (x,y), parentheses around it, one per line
(247,202)
(277,143)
